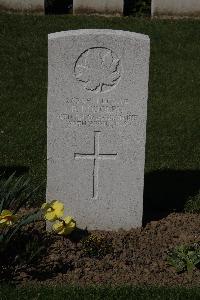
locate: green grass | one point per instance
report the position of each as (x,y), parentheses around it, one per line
(193,204)
(173,135)
(96,293)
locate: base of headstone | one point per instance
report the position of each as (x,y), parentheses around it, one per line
(27,6)
(102,7)
(190,8)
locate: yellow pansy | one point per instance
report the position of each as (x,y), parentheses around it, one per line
(53,210)
(65,226)
(7,218)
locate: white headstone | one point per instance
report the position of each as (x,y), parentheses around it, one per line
(97,109)
(175,7)
(98,6)
(23,5)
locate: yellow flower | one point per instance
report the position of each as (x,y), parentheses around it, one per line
(65,226)
(53,210)
(7,218)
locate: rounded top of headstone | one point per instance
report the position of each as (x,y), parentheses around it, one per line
(122,33)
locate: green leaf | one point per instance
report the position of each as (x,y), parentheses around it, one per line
(32,217)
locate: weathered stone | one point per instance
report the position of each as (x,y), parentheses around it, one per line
(23,5)
(97,108)
(98,7)
(175,7)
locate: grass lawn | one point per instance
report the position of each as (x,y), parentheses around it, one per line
(137,293)
(173,128)
(173,135)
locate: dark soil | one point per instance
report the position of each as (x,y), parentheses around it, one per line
(137,256)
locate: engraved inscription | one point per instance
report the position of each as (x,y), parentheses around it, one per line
(96,156)
(92,120)
(99,69)
(100,111)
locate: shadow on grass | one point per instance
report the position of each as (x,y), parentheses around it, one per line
(167,191)
(128,6)
(137,7)
(58,7)
(6,171)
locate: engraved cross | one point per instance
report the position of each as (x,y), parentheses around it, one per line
(96,156)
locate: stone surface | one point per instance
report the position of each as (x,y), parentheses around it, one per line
(98,6)
(175,7)
(23,5)
(97,109)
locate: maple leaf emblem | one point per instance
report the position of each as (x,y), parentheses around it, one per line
(98,68)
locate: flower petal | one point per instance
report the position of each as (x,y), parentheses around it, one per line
(57,226)
(58,209)
(50,216)
(45,205)
(6,213)
(67,219)
(57,205)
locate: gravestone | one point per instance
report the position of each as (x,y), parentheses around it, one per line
(175,7)
(114,7)
(23,5)
(97,109)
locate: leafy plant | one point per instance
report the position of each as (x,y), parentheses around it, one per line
(30,248)
(15,192)
(7,233)
(185,257)
(193,204)
(95,246)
